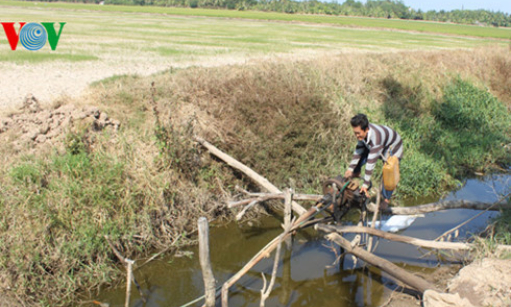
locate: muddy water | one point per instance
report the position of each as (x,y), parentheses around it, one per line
(308,274)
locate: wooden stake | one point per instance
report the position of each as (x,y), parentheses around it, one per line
(288,213)
(375,217)
(129,264)
(205,262)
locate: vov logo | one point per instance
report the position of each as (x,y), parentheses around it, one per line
(33,35)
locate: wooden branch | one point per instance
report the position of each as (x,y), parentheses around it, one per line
(265,252)
(260,255)
(116,252)
(448,204)
(260,197)
(398,238)
(383,264)
(205,262)
(242,212)
(265,292)
(247,171)
(130,276)
(431,207)
(470,219)
(405,239)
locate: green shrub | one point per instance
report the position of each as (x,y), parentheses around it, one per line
(63,207)
(472,131)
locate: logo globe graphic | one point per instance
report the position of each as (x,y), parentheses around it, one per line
(33,36)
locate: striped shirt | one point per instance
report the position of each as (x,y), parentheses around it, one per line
(378,141)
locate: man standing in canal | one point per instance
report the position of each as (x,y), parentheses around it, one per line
(374,142)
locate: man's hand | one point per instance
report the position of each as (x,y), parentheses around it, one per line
(364,190)
(348,174)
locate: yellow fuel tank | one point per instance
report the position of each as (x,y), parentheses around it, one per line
(391,173)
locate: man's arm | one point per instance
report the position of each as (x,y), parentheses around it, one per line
(373,156)
(359,150)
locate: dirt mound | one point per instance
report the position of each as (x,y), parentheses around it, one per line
(33,126)
(485,282)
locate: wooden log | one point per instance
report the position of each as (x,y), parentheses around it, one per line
(442,205)
(383,264)
(205,262)
(247,171)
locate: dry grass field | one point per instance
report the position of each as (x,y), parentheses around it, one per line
(98,44)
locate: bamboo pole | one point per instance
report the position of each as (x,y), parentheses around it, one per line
(205,262)
(383,264)
(247,171)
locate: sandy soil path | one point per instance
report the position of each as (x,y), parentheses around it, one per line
(50,80)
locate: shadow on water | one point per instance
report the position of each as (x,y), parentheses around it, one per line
(308,274)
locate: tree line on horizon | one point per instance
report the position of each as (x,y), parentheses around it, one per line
(372,8)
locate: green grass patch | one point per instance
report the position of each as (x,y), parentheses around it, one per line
(57,209)
(503,228)
(70,203)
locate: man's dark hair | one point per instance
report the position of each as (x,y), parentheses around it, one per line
(360,120)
